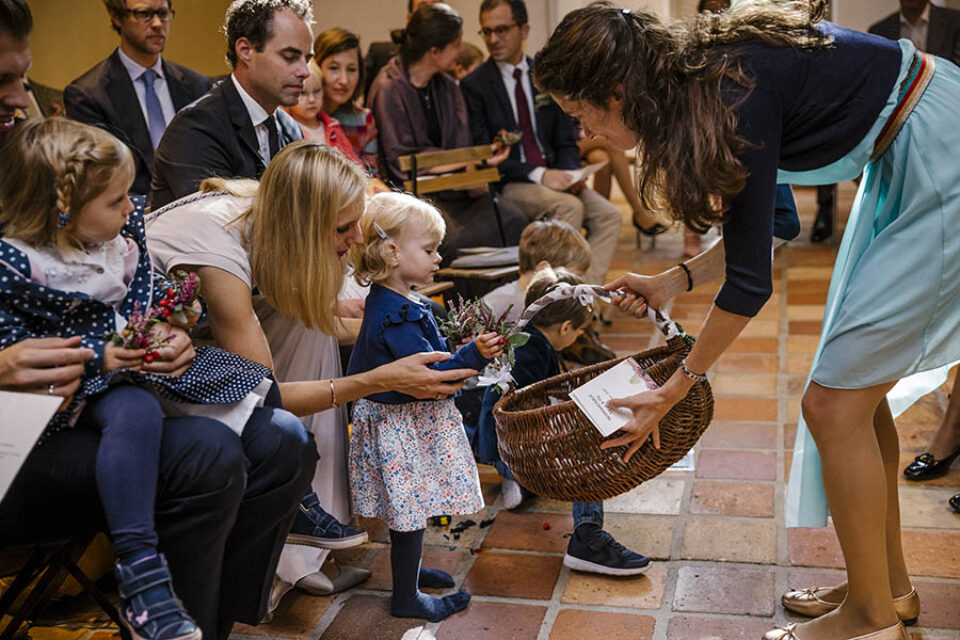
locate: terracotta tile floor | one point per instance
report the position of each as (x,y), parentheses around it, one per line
(722,554)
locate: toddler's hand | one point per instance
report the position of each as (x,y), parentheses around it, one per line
(490,345)
(115,357)
(176,355)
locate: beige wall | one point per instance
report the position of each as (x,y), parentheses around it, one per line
(70,36)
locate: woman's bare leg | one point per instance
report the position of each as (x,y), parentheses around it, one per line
(843,424)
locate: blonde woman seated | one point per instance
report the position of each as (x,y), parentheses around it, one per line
(270,259)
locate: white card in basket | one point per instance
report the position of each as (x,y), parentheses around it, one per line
(620,381)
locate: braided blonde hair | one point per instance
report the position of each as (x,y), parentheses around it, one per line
(53,166)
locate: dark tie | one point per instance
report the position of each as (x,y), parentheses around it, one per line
(155,120)
(273,142)
(531,151)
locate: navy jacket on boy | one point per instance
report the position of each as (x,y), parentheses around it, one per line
(394,326)
(535,361)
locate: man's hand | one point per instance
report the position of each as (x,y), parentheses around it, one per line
(556,179)
(577,187)
(44,365)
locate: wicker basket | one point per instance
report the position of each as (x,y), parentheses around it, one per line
(554,450)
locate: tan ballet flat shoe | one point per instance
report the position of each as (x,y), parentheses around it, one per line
(896,632)
(807,602)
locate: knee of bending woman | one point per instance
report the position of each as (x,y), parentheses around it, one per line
(825,412)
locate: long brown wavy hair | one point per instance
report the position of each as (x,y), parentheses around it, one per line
(677,78)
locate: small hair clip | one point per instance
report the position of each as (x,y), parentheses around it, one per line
(380,231)
(63,219)
(625,12)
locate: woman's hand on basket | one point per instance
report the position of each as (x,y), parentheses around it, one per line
(638,292)
(648,410)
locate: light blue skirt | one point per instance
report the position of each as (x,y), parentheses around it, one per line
(893,309)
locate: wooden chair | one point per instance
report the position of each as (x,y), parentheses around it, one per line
(47,565)
(472,177)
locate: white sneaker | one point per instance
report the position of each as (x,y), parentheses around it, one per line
(512,495)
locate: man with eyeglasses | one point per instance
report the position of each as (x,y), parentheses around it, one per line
(134,93)
(500,95)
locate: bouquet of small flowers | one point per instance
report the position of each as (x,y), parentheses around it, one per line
(506,138)
(179,307)
(139,333)
(467,319)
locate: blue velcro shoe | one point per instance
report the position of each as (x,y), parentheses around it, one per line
(148,607)
(594,550)
(314,527)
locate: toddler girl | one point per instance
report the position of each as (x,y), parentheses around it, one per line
(73,261)
(409,459)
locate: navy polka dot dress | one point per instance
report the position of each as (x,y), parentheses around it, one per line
(31,310)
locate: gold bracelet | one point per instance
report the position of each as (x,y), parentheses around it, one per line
(333,394)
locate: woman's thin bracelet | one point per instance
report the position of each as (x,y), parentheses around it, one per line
(696,377)
(333,395)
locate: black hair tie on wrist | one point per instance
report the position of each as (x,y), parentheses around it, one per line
(686,270)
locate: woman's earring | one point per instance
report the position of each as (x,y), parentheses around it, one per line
(63,219)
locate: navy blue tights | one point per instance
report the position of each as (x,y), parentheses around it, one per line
(407,601)
(128,461)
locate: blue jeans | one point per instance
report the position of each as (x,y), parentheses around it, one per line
(583,512)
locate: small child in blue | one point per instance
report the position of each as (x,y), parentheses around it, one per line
(409,459)
(552,329)
(73,261)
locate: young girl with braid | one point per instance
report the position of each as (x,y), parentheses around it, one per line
(73,261)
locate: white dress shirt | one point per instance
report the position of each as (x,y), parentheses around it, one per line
(258,116)
(506,72)
(917,32)
(160,87)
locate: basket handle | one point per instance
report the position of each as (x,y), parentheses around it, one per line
(585,293)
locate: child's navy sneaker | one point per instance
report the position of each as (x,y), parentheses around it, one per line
(314,527)
(148,607)
(594,550)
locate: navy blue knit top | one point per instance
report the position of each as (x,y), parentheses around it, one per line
(809,109)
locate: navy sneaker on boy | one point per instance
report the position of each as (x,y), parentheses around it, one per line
(148,607)
(593,550)
(314,527)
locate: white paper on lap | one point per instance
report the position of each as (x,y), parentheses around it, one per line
(25,416)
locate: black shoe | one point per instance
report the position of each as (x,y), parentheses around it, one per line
(822,226)
(926,467)
(588,349)
(955,503)
(594,550)
(314,527)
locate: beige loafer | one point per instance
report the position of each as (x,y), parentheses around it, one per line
(896,632)
(807,602)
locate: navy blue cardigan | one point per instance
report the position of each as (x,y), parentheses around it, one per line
(395,326)
(808,109)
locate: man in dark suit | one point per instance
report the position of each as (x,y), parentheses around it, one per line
(134,93)
(500,95)
(932,29)
(237,127)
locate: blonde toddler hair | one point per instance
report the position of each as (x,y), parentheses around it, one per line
(292,224)
(556,242)
(396,214)
(52,166)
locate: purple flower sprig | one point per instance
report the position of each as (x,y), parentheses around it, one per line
(467,319)
(139,333)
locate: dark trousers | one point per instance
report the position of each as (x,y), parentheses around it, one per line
(224,505)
